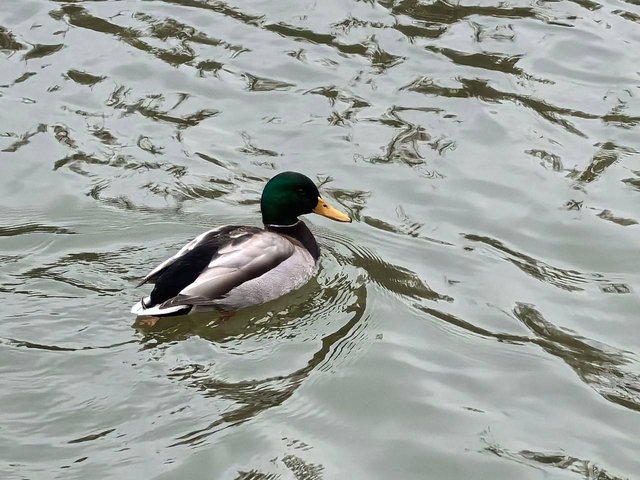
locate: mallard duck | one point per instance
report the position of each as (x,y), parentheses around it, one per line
(233,267)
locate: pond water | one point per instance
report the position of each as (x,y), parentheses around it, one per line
(478,319)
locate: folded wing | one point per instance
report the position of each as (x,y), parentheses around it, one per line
(214,263)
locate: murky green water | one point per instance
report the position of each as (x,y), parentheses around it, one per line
(478,320)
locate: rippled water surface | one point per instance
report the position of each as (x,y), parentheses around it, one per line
(479,319)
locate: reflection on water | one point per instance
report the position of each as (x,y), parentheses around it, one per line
(543,460)
(570,280)
(465,139)
(609,372)
(255,396)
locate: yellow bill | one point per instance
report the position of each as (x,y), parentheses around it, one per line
(326,210)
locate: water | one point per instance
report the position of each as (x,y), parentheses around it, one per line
(477,320)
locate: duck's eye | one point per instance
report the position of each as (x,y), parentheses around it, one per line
(301,191)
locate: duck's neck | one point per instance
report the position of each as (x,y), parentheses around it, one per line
(300,232)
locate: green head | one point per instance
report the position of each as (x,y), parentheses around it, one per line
(289,195)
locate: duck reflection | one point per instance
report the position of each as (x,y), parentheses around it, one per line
(284,318)
(269,319)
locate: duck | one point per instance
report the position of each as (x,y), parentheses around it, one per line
(235,266)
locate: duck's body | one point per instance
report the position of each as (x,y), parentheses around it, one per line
(229,268)
(233,267)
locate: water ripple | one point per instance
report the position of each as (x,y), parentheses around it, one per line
(570,280)
(610,372)
(129,127)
